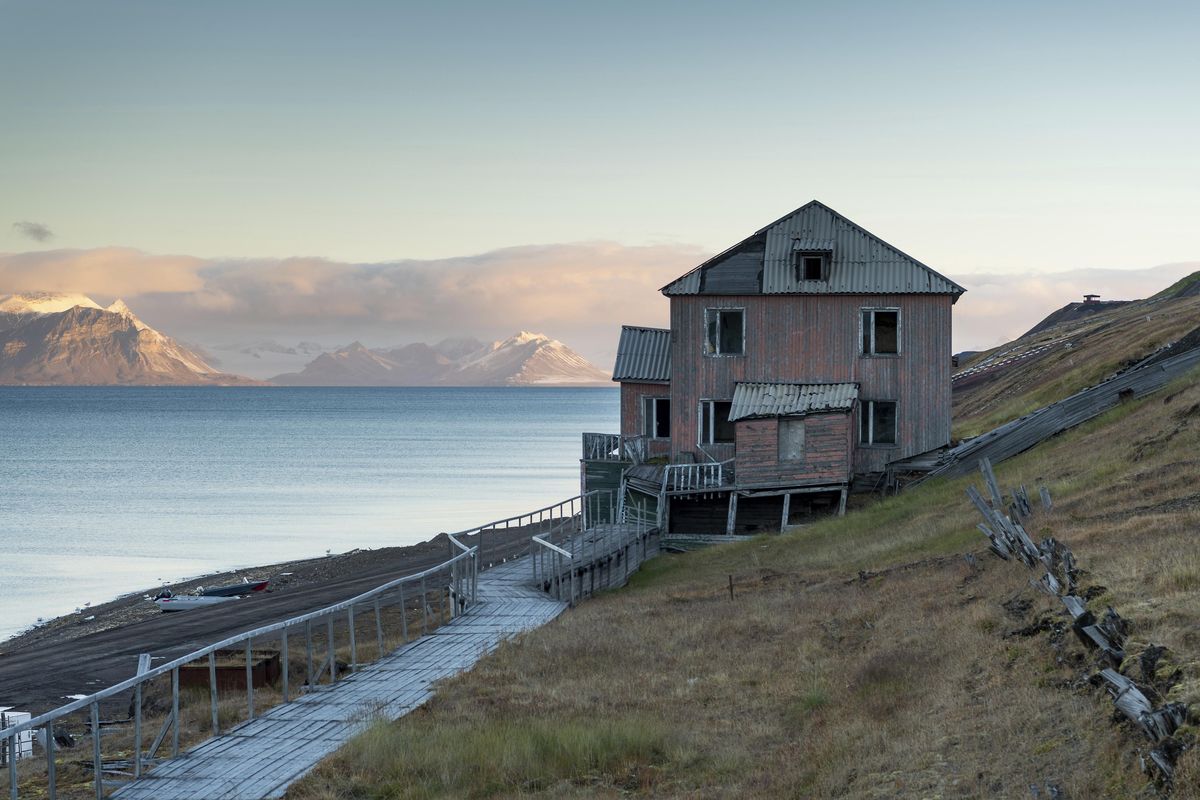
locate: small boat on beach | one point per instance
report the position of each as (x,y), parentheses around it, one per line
(188,602)
(234,589)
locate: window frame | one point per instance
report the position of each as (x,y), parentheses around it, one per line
(650,421)
(798,267)
(867,416)
(718,310)
(862,332)
(701,433)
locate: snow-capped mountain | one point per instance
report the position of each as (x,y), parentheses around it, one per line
(525,359)
(71,339)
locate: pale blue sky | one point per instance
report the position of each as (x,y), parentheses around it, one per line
(976,136)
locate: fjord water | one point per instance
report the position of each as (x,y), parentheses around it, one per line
(108,490)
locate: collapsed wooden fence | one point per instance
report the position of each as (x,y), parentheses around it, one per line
(1104,635)
(1019,435)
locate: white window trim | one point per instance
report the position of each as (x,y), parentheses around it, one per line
(656,398)
(865,408)
(862,332)
(712,354)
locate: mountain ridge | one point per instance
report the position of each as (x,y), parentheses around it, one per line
(523,359)
(69,339)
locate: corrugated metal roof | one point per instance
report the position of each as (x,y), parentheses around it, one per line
(860,262)
(643,354)
(790,399)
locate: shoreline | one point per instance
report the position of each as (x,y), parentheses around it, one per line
(102,650)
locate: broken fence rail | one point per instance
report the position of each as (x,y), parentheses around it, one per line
(1106,635)
(1021,434)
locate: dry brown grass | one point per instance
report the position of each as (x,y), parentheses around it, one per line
(1100,346)
(904,680)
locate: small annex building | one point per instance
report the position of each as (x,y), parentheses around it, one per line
(800,362)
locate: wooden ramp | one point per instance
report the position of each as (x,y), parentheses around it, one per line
(261,758)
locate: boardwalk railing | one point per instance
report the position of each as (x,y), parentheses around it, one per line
(690,477)
(603,555)
(438,593)
(498,541)
(453,584)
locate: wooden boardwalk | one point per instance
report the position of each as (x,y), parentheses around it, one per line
(262,757)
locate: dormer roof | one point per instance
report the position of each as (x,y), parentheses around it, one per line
(858,262)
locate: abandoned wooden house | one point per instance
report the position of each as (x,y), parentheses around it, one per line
(800,363)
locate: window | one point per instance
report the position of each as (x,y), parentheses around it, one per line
(810,265)
(725,331)
(877,422)
(656,417)
(715,427)
(880,331)
(791,439)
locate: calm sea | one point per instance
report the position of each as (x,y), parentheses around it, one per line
(109,490)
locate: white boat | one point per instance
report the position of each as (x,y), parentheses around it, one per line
(188,602)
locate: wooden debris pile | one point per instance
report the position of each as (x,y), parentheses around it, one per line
(1105,635)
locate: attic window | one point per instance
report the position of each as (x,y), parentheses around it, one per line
(811,265)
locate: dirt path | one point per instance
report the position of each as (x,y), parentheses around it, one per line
(72,655)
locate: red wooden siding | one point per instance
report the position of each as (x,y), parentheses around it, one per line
(631,412)
(826,452)
(815,339)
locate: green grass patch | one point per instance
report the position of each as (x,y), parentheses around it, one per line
(501,757)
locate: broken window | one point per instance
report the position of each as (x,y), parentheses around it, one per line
(811,266)
(725,330)
(877,422)
(715,427)
(880,331)
(656,417)
(791,439)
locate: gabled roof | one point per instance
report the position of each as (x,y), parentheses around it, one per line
(643,355)
(790,399)
(859,262)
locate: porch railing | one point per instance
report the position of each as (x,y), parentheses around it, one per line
(615,447)
(692,477)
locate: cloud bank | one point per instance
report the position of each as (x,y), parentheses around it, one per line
(580,293)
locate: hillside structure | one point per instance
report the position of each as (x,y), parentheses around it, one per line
(801,361)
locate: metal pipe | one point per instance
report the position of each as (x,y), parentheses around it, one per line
(97,763)
(332,649)
(212,690)
(379,627)
(175,712)
(283,655)
(137,731)
(51,776)
(403,616)
(249,683)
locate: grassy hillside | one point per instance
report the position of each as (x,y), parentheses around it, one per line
(861,657)
(1080,354)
